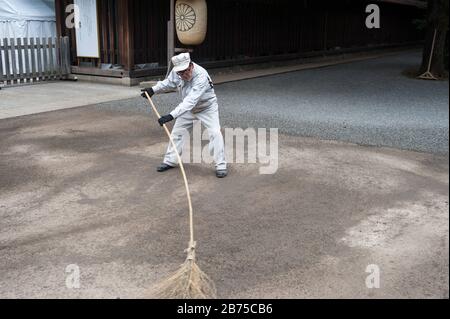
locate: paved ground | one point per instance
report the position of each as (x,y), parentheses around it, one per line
(368,102)
(27,100)
(33,99)
(79,187)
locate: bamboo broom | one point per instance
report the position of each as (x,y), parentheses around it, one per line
(189,282)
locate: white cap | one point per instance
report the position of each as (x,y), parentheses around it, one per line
(181,62)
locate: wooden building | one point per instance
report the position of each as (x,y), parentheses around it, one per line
(133,36)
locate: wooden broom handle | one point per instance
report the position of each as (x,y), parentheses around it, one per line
(186,184)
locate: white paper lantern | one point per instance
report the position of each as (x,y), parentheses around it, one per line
(191,18)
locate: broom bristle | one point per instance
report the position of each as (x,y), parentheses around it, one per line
(189,282)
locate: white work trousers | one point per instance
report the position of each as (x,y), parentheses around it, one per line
(210,119)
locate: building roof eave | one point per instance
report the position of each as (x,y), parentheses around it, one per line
(415,3)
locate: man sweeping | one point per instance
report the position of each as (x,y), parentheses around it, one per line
(199,102)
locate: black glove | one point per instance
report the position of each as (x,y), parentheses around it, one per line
(164,119)
(149,91)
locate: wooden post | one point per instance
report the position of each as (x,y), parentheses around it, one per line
(7,60)
(20,74)
(58,65)
(33,51)
(51,59)
(103,23)
(45,67)
(59,17)
(13,59)
(66,55)
(1,65)
(170,36)
(27,72)
(112,37)
(40,72)
(126,34)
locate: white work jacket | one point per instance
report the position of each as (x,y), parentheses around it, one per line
(197,94)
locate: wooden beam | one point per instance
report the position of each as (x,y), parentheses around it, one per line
(100,72)
(415,3)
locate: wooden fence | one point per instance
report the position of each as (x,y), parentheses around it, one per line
(31,60)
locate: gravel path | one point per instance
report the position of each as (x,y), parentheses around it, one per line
(368,103)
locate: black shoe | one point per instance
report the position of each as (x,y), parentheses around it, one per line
(164,167)
(221,173)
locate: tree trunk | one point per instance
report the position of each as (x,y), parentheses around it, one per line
(437,22)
